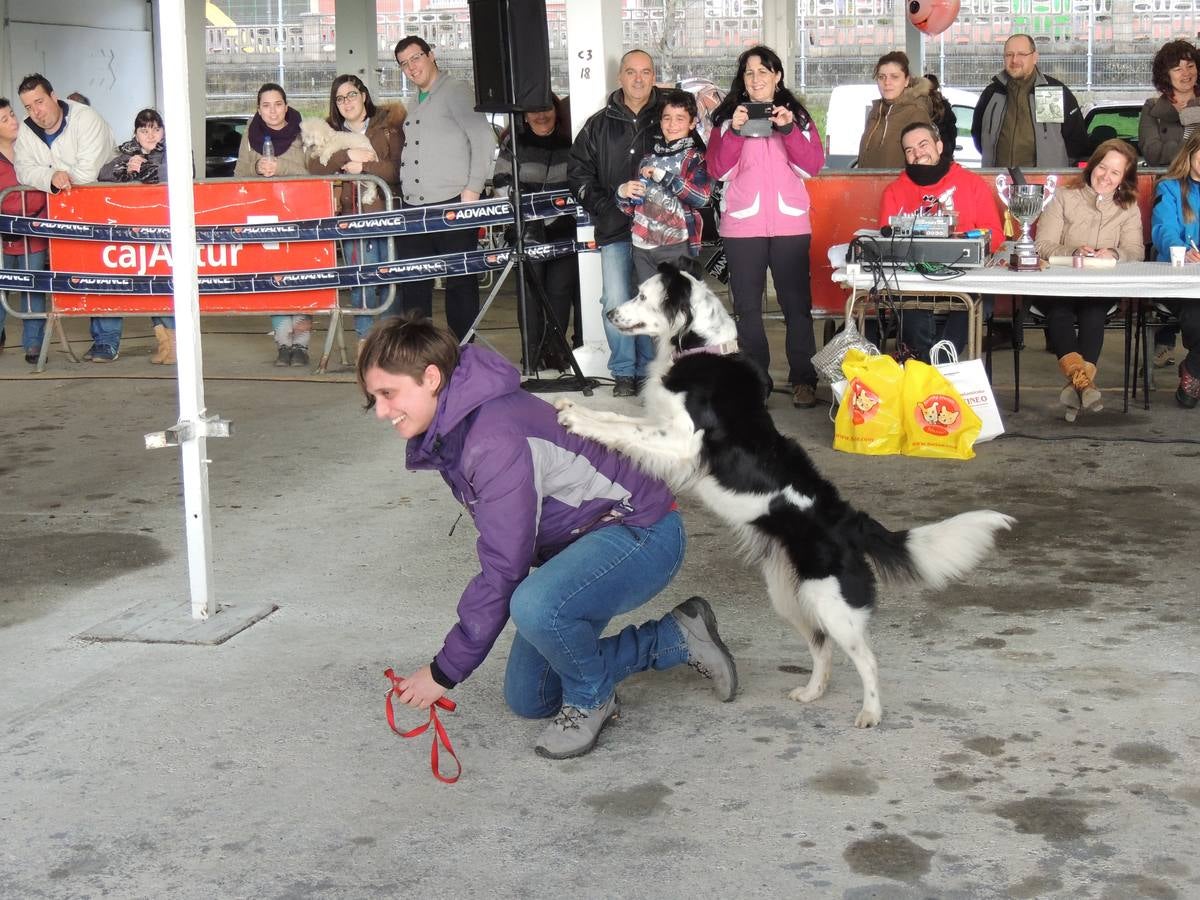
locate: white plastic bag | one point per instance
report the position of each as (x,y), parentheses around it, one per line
(970,380)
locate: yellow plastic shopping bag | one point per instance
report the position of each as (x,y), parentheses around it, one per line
(938,423)
(869,419)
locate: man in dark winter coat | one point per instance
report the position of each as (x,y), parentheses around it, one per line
(604,156)
(1026,118)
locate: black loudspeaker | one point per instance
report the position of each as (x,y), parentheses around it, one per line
(510,48)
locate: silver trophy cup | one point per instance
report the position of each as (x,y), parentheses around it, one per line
(1025,202)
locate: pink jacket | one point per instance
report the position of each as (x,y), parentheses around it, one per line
(764,177)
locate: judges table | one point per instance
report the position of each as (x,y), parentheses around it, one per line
(1137,281)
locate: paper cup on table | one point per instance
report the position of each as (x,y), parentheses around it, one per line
(1177,255)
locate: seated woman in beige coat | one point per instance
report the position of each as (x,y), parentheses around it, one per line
(1099,217)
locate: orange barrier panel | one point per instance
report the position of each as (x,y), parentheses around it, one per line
(217,203)
(844,202)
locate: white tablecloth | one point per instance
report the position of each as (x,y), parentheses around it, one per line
(1157,280)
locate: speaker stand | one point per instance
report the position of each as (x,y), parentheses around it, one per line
(518,259)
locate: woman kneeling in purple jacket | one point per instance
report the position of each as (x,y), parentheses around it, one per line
(571,534)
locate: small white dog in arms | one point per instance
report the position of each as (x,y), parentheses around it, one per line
(707,429)
(321,141)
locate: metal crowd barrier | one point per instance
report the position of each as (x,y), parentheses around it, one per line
(390,222)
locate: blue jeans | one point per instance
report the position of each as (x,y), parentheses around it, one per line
(31,329)
(558,657)
(106,331)
(362,253)
(920,330)
(628,356)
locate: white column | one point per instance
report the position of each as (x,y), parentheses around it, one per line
(914,46)
(594,48)
(356,41)
(779,33)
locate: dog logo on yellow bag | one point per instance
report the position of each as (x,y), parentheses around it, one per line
(938,414)
(864,402)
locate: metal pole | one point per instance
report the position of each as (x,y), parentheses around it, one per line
(192,420)
(1091,41)
(279,38)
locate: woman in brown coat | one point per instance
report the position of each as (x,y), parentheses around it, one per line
(351,109)
(1099,217)
(902,101)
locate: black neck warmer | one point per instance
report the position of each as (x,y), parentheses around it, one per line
(927,175)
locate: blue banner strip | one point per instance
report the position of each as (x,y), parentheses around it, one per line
(410,220)
(393,271)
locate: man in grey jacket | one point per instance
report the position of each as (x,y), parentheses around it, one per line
(447,149)
(1026,118)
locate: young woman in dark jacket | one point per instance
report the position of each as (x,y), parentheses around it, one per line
(144,160)
(544,146)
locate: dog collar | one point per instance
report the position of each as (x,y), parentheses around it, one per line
(724,349)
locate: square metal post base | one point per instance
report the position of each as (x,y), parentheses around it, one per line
(171,622)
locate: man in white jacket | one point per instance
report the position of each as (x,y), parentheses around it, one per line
(62,144)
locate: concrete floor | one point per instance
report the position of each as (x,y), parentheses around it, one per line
(1039,738)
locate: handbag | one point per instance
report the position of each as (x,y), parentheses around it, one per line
(970,379)
(828,360)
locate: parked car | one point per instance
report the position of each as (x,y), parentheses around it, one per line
(847,116)
(222,138)
(1113,120)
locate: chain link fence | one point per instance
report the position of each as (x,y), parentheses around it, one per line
(1099,48)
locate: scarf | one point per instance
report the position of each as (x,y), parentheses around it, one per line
(927,175)
(281,139)
(665,148)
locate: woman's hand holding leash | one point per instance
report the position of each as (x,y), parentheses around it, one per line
(401,686)
(419,689)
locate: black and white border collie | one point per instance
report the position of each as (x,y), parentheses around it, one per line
(706,429)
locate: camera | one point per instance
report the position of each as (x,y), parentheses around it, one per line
(758,110)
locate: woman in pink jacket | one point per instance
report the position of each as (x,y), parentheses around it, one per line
(765,210)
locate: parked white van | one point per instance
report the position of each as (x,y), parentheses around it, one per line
(847,116)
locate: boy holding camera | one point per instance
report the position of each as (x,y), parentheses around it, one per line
(665,201)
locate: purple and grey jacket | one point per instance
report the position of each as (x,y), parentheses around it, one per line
(531,486)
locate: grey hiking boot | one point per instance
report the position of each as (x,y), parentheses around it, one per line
(707,653)
(574,731)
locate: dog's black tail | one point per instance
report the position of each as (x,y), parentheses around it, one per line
(934,554)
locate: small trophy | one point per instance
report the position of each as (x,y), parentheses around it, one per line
(1025,202)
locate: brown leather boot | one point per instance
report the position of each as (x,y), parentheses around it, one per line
(1071,364)
(1089,394)
(164,355)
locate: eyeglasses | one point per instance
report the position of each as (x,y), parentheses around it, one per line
(347,97)
(1018,54)
(411,61)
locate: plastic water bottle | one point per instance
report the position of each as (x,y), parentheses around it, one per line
(639,199)
(268,148)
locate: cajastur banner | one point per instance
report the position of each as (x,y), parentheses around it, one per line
(267,248)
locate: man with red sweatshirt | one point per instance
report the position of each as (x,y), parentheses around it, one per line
(933,183)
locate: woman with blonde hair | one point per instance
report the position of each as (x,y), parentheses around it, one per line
(1176,223)
(1097,218)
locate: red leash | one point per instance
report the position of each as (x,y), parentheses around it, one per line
(439,732)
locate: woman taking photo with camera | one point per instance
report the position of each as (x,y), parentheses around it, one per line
(765,219)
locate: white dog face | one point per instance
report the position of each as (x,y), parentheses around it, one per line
(314,133)
(671,305)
